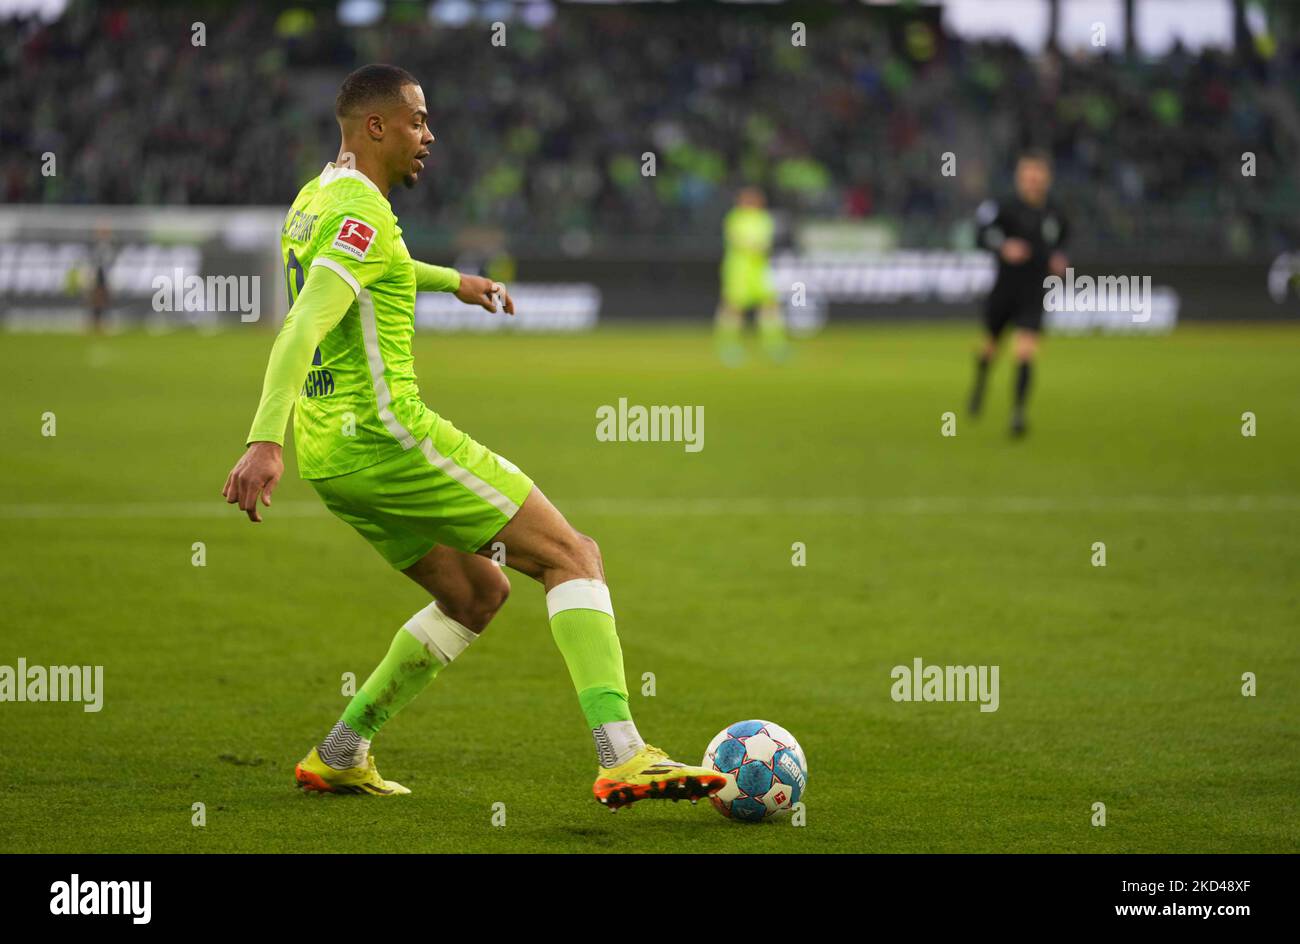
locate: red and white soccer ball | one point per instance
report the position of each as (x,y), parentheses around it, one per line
(765,767)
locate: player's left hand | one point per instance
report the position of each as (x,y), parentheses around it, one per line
(476,290)
(1057,264)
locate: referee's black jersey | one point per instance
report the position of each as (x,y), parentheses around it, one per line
(1044,228)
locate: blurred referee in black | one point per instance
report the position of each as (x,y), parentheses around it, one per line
(1026,233)
(101,260)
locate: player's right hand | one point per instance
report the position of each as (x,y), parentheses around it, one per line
(492,296)
(1015,251)
(256,473)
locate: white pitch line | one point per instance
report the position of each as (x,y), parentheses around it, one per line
(718,507)
(930,505)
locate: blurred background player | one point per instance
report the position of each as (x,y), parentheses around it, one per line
(1026,232)
(101,260)
(747,280)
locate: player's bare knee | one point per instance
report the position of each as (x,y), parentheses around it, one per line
(577,554)
(475,611)
(589,555)
(494,596)
(462,611)
(488,599)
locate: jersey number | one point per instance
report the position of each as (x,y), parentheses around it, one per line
(294,278)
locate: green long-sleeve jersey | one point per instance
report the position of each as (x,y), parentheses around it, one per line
(343,356)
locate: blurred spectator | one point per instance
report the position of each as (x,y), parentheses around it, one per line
(544,137)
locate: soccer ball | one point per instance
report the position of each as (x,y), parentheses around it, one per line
(767,769)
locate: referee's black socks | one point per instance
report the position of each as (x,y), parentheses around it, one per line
(1024,372)
(981,374)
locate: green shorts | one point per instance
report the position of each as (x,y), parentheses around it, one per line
(746,287)
(447,490)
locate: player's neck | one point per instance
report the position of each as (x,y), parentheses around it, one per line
(363,166)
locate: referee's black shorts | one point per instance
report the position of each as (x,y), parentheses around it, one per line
(1018,303)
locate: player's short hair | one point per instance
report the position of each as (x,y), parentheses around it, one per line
(1037,154)
(371,85)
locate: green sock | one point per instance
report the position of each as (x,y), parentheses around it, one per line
(728,335)
(403,674)
(771,331)
(430,640)
(727,328)
(588,640)
(582,622)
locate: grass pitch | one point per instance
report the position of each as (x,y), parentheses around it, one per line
(1119,684)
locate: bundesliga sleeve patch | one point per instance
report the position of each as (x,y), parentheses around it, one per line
(354,238)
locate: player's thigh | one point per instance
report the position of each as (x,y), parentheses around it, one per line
(737,297)
(448,490)
(468,588)
(747,287)
(539,542)
(1025,343)
(478,491)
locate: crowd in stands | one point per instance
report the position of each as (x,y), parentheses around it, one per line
(545,137)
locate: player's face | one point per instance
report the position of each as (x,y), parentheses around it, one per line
(410,145)
(1033,177)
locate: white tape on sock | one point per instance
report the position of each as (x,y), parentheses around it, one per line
(581,594)
(616,742)
(439,633)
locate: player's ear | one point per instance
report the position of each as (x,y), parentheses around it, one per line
(375,126)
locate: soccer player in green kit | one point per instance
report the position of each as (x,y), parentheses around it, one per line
(747,280)
(429,498)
